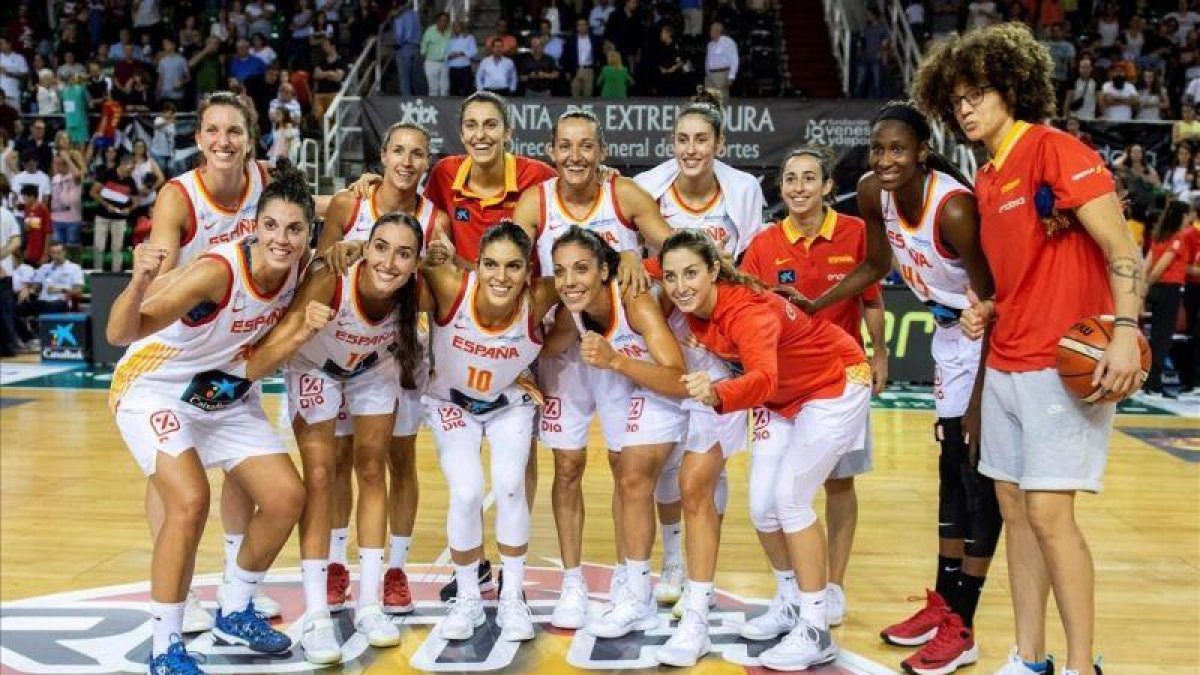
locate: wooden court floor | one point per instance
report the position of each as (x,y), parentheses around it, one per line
(71,518)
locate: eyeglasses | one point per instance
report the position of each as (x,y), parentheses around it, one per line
(973,98)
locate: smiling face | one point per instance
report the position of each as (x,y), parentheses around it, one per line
(696,145)
(224,137)
(895,154)
(577,152)
(391,256)
(405,159)
(689,281)
(803,187)
(483,132)
(579,276)
(503,272)
(282,234)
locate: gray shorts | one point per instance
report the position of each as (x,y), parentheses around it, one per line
(1038,435)
(858,461)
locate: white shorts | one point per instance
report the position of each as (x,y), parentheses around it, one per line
(452,424)
(955,362)
(859,460)
(152,423)
(1038,435)
(573,393)
(827,425)
(706,428)
(653,418)
(317,397)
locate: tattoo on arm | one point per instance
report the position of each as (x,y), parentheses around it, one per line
(1128,268)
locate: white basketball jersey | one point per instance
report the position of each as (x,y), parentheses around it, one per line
(358,228)
(210,223)
(350,344)
(478,362)
(201,357)
(695,355)
(713,219)
(604,218)
(623,338)
(928,269)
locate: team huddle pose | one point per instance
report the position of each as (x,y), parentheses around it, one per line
(510,299)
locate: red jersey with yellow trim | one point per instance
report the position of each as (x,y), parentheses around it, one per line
(210,223)
(471,214)
(1191,252)
(1044,282)
(784,357)
(366,212)
(353,342)
(1177,268)
(781,256)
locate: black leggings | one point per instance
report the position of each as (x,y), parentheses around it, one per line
(1163,301)
(967,506)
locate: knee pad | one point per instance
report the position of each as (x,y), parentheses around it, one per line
(983,522)
(952,508)
(721,493)
(667,491)
(762,510)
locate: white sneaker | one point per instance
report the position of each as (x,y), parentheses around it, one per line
(670,583)
(196,619)
(1015,666)
(804,647)
(688,643)
(515,620)
(570,612)
(680,606)
(615,583)
(781,616)
(318,639)
(628,614)
(835,604)
(465,615)
(378,629)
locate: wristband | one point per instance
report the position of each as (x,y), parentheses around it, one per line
(1125,321)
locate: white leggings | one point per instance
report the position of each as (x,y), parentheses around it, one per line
(459,437)
(791,458)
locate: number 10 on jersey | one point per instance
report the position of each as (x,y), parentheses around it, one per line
(479,379)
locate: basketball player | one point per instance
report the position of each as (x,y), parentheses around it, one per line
(919,208)
(694,190)
(404,158)
(625,345)
(368,311)
(487,333)
(798,373)
(1054,236)
(183,403)
(800,255)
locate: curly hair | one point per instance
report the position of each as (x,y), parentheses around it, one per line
(1005,57)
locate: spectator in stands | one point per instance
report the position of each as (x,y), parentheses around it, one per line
(507,39)
(25,287)
(75,107)
(666,67)
(982,13)
(148,176)
(14,70)
(48,102)
(146,17)
(173,75)
(69,67)
(1118,96)
(260,16)
(721,60)
(556,16)
(1186,130)
(36,225)
(60,281)
(245,66)
(1138,177)
(206,67)
(261,50)
(1152,104)
(406,31)
(10,245)
(1062,52)
(301,30)
(1180,177)
(626,31)
(598,17)
(97,84)
(496,73)
(459,54)
(1185,17)
(693,17)
(1108,25)
(914,12)
(31,175)
(1133,40)
(38,143)
(321,29)
(190,37)
(137,97)
(285,137)
(539,73)
(116,192)
(580,55)
(552,42)
(327,76)
(125,69)
(1082,94)
(434,46)
(116,51)
(66,200)
(71,42)
(1158,49)
(9,118)
(286,99)
(162,143)
(873,41)
(614,80)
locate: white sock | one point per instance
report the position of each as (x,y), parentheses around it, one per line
(467,578)
(513,567)
(233,544)
(168,621)
(239,588)
(672,543)
(785,585)
(619,573)
(698,595)
(314,574)
(370,573)
(638,579)
(399,552)
(339,540)
(812,609)
(574,575)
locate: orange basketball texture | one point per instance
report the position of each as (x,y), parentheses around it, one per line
(1081,348)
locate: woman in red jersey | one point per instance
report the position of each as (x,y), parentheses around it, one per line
(796,373)
(1166,272)
(1054,236)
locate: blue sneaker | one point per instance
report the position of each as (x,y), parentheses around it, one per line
(176,661)
(250,628)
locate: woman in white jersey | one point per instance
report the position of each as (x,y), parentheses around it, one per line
(696,191)
(371,312)
(487,332)
(404,158)
(626,346)
(920,209)
(183,403)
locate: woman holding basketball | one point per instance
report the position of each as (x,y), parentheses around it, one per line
(1051,225)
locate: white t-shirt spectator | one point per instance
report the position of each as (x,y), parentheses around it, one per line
(163,141)
(493,74)
(13,67)
(1187,21)
(266,54)
(146,14)
(8,230)
(722,54)
(598,19)
(1117,112)
(58,277)
(1149,109)
(172,75)
(1192,91)
(23,275)
(48,102)
(1108,30)
(38,178)
(292,106)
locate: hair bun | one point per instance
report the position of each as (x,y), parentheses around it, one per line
(286,173)
(706,96)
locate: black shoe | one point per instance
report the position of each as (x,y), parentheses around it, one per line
(450,590)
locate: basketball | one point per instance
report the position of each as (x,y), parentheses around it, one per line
(1081,348)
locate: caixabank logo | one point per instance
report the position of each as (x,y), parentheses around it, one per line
(64,341)
(107,630)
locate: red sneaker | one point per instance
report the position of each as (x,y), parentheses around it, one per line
(919,628)
(952,648)
(337,586)
(397,598)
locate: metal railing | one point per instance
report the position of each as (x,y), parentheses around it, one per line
(841,36)
(341,119)
(310,163)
